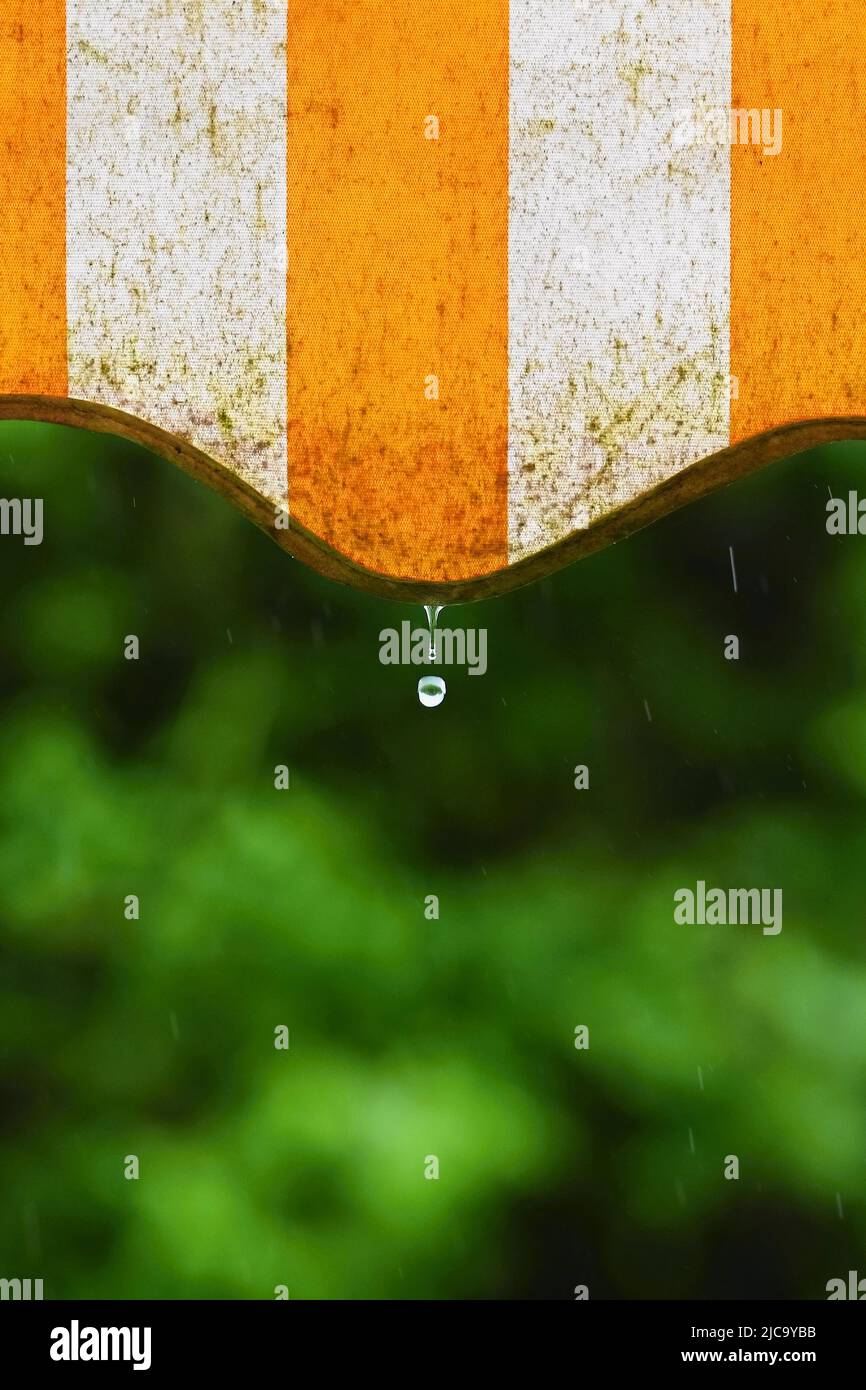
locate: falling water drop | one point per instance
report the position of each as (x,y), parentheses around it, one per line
(431,689)
(432,610)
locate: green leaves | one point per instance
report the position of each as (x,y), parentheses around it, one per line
(413,1037)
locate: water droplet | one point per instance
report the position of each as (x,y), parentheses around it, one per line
(431,691)
(432,610)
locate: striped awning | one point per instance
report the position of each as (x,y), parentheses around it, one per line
(441,292)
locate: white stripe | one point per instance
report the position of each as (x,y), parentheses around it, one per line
(176,230)
(618,254)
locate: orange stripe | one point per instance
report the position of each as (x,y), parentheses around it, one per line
(798,234)
(33,196)
(397,271)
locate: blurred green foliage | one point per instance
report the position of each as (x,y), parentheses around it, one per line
(305,908)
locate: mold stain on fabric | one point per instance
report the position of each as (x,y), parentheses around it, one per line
(89,50)
(539,126)
(236,14)
(601,442)
(632,75)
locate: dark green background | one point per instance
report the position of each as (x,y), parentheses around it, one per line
(411,1037)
